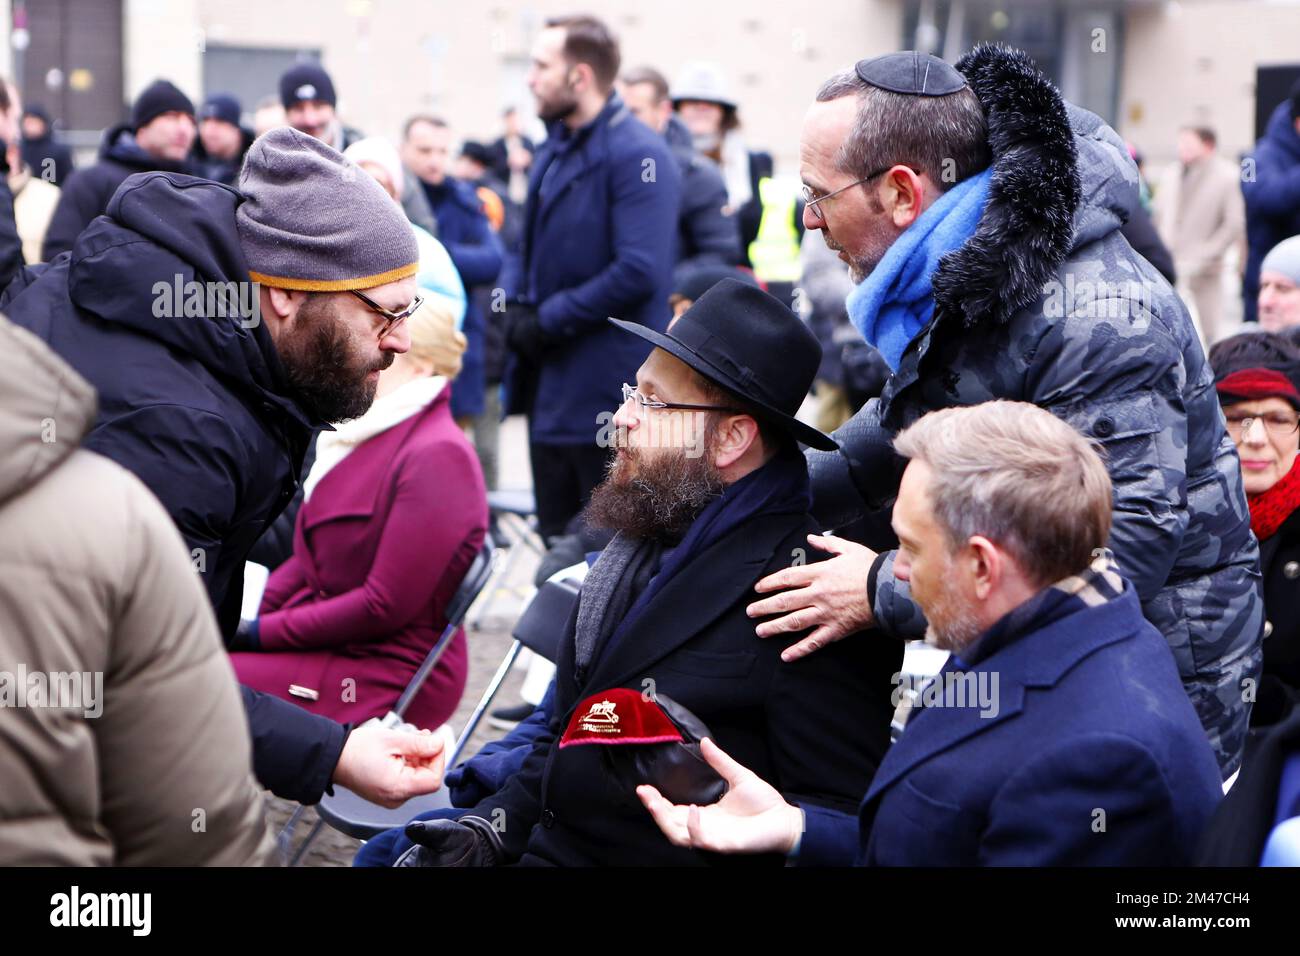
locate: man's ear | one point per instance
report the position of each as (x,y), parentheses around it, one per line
(905,195)
(279,308)
(734,436)
(282,304)
(584,78)
(987,566)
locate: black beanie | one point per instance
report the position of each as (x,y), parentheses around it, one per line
(306,81)
(159,97)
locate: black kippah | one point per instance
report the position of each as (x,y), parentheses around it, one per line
(911,73)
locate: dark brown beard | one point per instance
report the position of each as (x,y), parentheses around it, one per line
(655,498)
(322,368)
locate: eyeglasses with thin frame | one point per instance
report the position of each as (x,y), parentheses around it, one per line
(811,199)
(1276,424)
(631,392)
(394,318)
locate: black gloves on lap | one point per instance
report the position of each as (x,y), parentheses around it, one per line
(469,841)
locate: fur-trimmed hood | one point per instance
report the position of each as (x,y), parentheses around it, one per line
(1061,178)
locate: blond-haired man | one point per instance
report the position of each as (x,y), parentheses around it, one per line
(1057,733)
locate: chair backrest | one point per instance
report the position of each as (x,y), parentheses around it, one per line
(475,579)
(541,625)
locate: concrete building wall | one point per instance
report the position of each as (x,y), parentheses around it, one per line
(1194,62)
(391,58)
(162,38)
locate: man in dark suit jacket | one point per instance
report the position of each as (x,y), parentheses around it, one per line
(1057,733)
(663,610)
(600,229)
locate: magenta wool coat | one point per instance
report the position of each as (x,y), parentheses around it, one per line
(379,549)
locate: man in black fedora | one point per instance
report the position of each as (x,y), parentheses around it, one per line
(707,493)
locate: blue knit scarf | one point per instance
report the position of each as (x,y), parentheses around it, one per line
(894,303)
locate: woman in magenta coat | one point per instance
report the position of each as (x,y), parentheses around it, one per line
(394,513)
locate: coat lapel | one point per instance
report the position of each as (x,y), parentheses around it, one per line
(1038,659)
(697,595)
(934,730)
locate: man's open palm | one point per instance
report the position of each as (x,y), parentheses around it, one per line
(751,818)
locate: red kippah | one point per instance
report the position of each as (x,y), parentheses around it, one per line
(1251,384)
(620,715)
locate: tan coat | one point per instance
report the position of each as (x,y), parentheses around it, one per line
(34,204)
(95,580)
(1200,215)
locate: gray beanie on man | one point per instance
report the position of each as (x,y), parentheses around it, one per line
(315,221)
(1284,258)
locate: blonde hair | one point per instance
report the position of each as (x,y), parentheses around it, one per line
(1019,476)
(434,337)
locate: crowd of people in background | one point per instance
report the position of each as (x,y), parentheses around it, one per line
(1022,454)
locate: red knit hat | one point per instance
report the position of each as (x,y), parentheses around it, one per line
(1253,384)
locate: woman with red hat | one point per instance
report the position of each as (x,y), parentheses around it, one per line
(1262,407)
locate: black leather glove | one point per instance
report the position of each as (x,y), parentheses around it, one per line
(524,333)
(245,638)
(469,841)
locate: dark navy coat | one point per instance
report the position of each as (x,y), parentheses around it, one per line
(477,253)
(814,728)
(88,190)
(599,241)
(1092,756)
(1272,197)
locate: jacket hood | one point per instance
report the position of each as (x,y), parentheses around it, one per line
(119,146)
(1281,131)
(1061,178)
(45,410)
(164,239)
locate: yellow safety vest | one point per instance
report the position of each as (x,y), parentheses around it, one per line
(774,253)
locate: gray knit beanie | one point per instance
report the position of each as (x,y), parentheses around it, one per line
(1284,258)
(314,221)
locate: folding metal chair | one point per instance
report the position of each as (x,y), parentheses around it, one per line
(471,585)
(514,529)
(539,629)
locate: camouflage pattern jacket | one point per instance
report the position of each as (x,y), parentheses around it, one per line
(1047,303)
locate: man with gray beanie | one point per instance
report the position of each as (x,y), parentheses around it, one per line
(1279,288)
(159,136)
(220,328)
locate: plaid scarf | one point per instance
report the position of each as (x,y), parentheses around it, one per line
(1098,583)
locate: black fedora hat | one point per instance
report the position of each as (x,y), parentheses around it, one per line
(739,337)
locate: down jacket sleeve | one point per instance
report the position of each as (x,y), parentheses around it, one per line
(175,752)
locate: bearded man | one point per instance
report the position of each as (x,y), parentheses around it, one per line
(219,329)
(706,494)
(600,230)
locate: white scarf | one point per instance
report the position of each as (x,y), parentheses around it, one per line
(735,170)
(392,409)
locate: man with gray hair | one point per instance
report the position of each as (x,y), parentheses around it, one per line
(1279,288)
(1086,752)
(982,217)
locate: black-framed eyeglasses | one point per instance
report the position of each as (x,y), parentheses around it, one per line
(811,199)
(630,392)
(394,318)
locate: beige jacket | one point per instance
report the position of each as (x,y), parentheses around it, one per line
(1200,214)
(147,759)
(34,202)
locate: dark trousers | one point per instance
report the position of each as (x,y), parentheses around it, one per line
(563,477)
